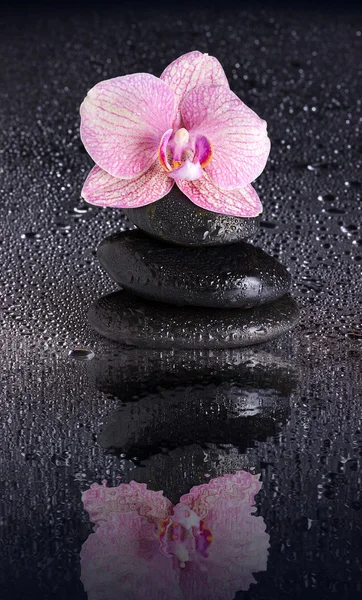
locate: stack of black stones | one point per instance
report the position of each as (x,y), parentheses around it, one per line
(190,280)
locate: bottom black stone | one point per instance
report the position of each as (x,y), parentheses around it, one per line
(125,318)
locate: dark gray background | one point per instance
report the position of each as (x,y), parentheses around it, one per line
(301,71)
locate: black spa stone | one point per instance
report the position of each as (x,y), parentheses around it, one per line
(235,276)
(127,319)
(176,219)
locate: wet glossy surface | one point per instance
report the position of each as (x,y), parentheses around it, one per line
(290,410)
(176,219)
(127,319)
(234,276)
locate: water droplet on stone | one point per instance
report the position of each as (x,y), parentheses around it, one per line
(30,235)
(326,197)
(352,184)
(336,211)
(81,354)
(317,166)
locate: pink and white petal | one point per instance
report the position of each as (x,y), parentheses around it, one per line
(239,137)
(102,502)
(238,550)
(162,150)
(239,545)
(241,486)
(102,189)
(123,120)
(238,203)
(191,70)
(122,559)
(203,150)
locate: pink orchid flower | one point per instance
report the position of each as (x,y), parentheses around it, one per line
(187,127)
(204,548)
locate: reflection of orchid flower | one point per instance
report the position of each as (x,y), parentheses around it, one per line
(204,548)
(145,133)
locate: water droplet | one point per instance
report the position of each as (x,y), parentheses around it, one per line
(81,354)
(30,235)
(317,166)
(352,184)
(267,225)
(81,209)
(326,197)
(62,225)
(336,211)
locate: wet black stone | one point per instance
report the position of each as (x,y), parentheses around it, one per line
(235,276)
(176,219)
(125,318)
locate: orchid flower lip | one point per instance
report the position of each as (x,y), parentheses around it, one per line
(183,156)
(188,171)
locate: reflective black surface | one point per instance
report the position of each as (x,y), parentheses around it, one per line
(290,410)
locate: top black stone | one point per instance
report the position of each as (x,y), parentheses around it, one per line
(176,219)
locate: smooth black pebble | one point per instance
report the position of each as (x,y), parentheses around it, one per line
(127,319)
(235,276)
(176,219)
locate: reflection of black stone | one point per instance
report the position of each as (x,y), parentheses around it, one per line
(176,219)
(234,404)
(133,373)
(198,417)
(235,276)
(175,472)
(125,318)
(228,412)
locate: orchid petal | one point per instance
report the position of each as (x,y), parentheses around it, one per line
(239,137)
(102,189)
(189,171)
(239,548)
(239,544)
(101,502)
(239,203)
(191,70)
(203,150)
(122,559)
(242,486)
(123,120)
(162,151)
